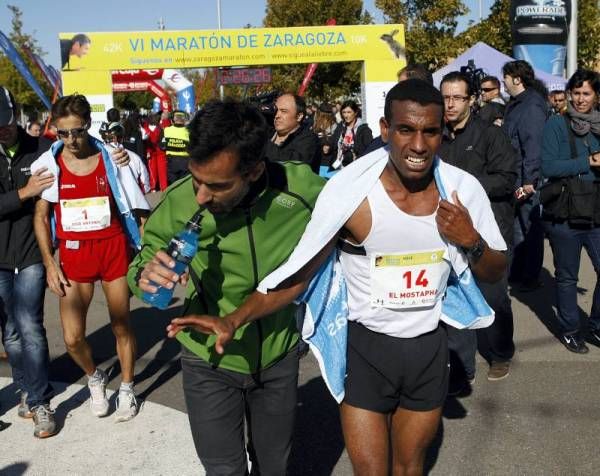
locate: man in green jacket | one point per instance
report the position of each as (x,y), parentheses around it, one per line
(254,214)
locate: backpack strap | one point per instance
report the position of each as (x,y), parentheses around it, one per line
(571,135)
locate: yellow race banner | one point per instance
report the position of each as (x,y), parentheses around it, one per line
(89,58)
(244,47)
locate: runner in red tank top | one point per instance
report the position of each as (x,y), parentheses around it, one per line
(80,196)
(92,247)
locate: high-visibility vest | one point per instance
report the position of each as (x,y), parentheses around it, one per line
(176,140)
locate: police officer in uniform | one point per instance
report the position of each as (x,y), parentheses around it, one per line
(174,142)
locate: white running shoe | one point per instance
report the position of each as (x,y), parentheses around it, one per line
(127,406)
(98,400)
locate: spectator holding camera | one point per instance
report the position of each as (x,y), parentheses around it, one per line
(571,162)
(352,137)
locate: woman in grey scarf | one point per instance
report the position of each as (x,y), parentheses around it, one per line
(571,157)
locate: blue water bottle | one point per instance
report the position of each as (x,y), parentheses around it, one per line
(182,249)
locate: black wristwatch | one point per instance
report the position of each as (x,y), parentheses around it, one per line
(476,251)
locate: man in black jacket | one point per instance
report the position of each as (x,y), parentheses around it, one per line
(22,275)
(524,119)
(292,141)
(484,151)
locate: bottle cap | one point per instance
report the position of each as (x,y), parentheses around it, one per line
(196,219)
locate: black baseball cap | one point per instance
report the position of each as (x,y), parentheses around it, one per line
(7,107)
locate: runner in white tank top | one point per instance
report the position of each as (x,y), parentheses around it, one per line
(395,384)
(396,289)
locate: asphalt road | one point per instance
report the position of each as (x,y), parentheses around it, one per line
(543,419)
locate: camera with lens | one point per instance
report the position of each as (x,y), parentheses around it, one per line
(475,76)
(266,105)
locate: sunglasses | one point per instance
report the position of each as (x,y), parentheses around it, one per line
(74,133)
(487,90)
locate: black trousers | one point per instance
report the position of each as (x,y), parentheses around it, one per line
(528,234)
(177,167)
(495,343)
(220,402)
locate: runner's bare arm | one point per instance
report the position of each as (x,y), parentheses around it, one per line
(41,226)
(454,223)
(256,306)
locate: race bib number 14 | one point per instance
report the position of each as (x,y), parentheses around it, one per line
(408,280)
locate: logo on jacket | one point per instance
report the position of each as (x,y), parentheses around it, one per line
(285,202)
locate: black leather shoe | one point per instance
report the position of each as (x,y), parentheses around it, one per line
(593,337)
(574,343)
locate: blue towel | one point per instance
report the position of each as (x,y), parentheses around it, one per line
(325,323)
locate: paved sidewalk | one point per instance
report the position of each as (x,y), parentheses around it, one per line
(93,446)
(544,419)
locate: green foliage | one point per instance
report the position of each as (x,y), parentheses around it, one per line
(11,78)
(205,84)
(18,36)
(494,30)
(430,28)
(331,80)
(588,50)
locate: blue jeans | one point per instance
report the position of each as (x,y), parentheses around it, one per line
(566,243)
(23,333)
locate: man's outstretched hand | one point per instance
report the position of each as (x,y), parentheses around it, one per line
(222,327)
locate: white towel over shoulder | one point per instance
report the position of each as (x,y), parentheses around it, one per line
(345,191)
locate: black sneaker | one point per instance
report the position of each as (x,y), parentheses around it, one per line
(574,343)
(593,337)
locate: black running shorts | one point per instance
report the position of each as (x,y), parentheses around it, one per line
(384,372)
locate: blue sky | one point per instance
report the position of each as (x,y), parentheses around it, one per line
(45,19)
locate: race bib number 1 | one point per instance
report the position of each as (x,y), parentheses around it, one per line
(85,214)
(408,280)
